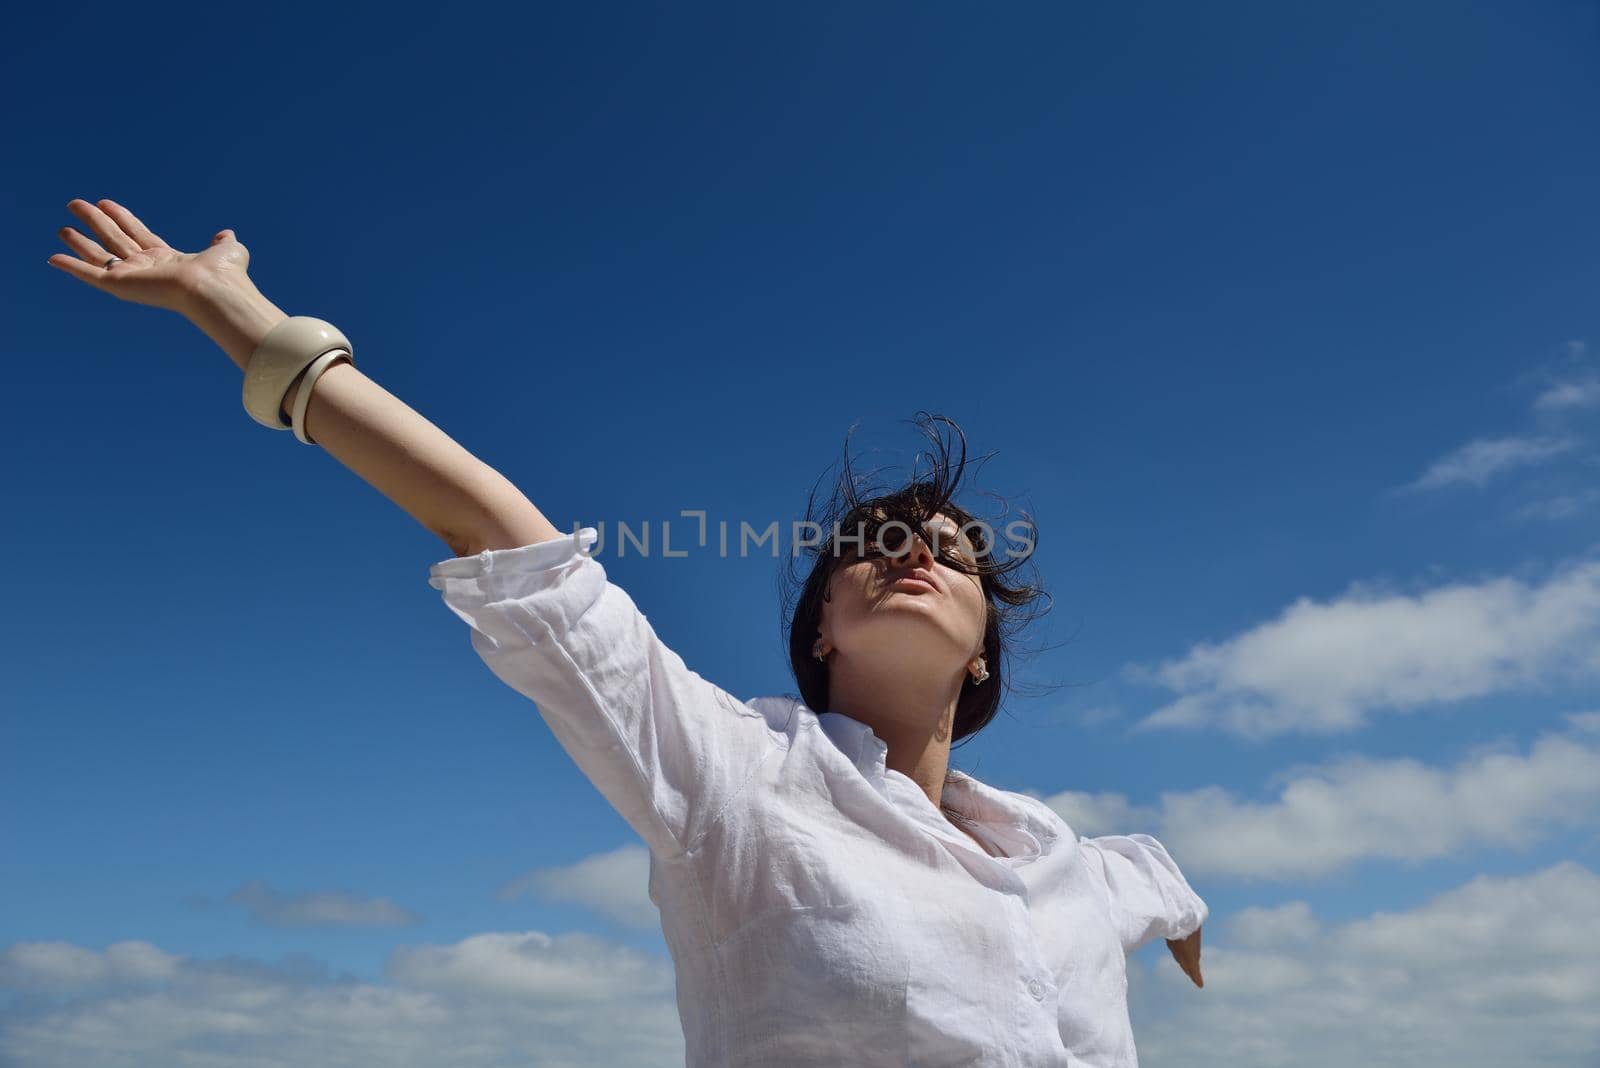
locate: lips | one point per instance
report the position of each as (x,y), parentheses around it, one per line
(921,574)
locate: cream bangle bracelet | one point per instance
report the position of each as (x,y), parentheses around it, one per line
(303,396)
(299,342)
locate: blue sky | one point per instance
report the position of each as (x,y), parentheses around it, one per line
(1282,322)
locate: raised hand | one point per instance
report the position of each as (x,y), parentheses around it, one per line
(147,270)
(1186,951)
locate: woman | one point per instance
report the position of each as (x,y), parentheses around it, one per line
(831,891)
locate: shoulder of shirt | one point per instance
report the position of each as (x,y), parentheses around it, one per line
(1041,815)
(1049,816)
(779,710)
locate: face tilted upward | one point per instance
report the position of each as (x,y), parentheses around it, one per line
(934,626)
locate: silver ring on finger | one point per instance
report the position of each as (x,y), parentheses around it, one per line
(113,259)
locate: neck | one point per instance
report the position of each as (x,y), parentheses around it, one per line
(910,710)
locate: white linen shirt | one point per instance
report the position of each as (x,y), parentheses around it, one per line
(819,908)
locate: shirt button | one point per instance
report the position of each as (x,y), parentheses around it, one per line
(1036,989)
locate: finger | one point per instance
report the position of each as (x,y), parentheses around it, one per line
(105,228)
(131,225)
(85,248)
(95,276)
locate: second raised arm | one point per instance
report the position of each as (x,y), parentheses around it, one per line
(390,445)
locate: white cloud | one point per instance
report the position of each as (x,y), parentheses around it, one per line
(1500,971)
(1321,668)
(1566,396)
(1356,808)
(615,884)
(61,966)
(1477,462)
(492,1000)
(1584,721)
(1255,927)
(1497,971)
(1561,506)
(1570,382)
(569,968)
(318,908)
(1568,386)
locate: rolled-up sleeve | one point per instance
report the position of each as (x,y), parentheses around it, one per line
(668,749)
(1148,894)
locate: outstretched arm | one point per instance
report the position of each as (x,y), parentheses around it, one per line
(1149,896)
(670,750)
(453,494)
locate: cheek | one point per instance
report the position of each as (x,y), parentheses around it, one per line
(977,607)
(847,594)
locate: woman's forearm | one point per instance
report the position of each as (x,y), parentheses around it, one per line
(234,314)
(392,447)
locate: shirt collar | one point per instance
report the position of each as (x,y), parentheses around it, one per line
(856,741)
(1023,827)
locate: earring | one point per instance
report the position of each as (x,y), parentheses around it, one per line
(983,673)
(816,651)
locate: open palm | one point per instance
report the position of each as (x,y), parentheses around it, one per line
(147,269)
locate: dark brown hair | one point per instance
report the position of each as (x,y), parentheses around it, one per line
(854,509)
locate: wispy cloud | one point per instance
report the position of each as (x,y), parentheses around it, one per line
(1478,462)
(614,884)
(1356,808)
(491,1000)
(1561,506)
(1567,385)
(316,908)
(1323,668)
(1501,970)
(1566,396)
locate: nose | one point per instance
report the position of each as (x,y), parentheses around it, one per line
(920,553)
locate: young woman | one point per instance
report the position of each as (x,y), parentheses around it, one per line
(832,892)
